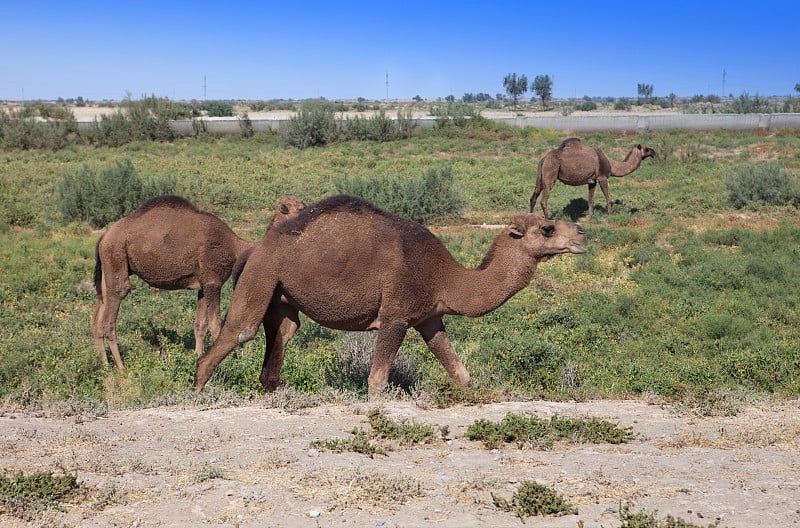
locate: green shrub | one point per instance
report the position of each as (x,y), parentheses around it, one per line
(100,198)
(763,183)
(218,108)
(29,132)
(147,119)
(532,498)
(424,198)
(314,125)
(540,433)
(26,496)
(586,106)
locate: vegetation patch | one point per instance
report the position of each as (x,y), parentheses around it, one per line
(539,433)
(26,496)
(384,434)
(651,520)
(532,499)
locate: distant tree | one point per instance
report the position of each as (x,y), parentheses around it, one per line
(515,86)
(450,98)
(672,98)
(417,98)
(543,86)
(797,87)
(644,91)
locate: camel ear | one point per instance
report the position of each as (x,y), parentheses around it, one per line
(517,226)
(283,208)
(638,146)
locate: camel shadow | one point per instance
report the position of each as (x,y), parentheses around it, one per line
(579,208)
(158,337)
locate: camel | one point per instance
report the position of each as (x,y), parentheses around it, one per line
(171,245)
(350,266)
(576,164)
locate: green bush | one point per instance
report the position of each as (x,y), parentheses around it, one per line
(27,496)
(314,125)
(218,108)
(28,132)
(147,119)
(532,499)
(100,198)
(762,184)
(424,198)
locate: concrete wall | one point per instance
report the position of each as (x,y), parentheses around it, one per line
(577,124)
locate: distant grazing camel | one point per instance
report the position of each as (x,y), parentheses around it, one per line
(576,164)
(350,266)
(172,245)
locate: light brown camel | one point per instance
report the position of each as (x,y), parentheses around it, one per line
(172,245)
(350,266)
(577,164)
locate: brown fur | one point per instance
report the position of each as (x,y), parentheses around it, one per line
(350,266)
(170,244)
(574,163)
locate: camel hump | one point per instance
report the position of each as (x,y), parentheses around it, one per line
(170,201)
(331,205)
(570,143)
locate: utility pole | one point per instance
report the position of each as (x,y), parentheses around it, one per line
(387,86)
(723,82)
(204,87)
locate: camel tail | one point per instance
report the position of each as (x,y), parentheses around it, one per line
(98,271)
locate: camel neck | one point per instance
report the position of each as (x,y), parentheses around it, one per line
(475,292)
(626,166)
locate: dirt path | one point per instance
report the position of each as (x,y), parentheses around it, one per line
(253,466)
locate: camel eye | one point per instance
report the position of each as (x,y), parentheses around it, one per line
(548,230)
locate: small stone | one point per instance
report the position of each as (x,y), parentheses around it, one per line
(314,514)
(313,453)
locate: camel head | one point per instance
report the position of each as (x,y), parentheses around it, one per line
(544,239)
(645,152)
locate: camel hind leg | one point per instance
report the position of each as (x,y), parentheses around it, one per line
(280,325)
(104,321)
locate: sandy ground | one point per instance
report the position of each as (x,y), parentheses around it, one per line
(254,466)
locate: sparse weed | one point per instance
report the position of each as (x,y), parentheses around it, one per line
(26,496)
(532,498)
(539,433)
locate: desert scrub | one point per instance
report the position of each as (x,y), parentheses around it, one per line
(651,520)
(539,433)
(26,496)
(532,498)
(430,196)
(370,443)
(764,183)
(104,196)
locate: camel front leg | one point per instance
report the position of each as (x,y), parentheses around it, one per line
(592,187)
(390,337)
(604,188)
(435,336)
(280,325)
(207,317)
(247,309)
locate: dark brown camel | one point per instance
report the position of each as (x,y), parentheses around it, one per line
(350,266)
(172,245)
(576,164)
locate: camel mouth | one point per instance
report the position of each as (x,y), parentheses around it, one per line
(576,249)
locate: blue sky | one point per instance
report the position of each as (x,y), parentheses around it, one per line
(344,50)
